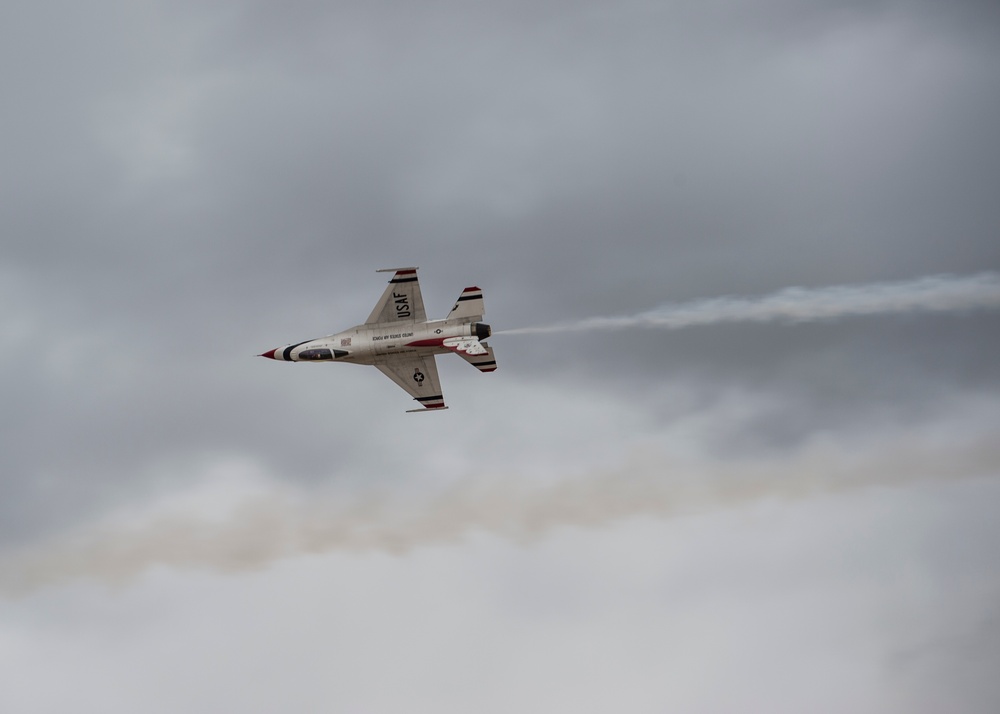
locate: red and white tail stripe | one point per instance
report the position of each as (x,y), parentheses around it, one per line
(469,305)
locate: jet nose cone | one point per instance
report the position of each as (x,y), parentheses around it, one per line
(269,353)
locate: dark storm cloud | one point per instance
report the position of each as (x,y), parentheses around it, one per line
(190,186)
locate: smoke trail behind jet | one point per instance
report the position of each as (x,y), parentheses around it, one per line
(935,293)
(284,524)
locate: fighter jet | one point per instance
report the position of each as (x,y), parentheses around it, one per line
(401,342)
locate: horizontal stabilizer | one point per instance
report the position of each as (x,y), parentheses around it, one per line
(465,345)
(474,352)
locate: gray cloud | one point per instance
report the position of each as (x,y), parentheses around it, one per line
(185,186)
(279,525)
(228,181)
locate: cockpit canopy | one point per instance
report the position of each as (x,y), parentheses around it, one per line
(316,354)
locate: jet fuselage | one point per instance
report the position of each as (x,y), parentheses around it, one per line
(399,340)
(370,344)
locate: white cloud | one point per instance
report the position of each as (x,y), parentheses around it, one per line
(785,607)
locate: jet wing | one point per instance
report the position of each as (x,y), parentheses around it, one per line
(401,299)
(418,375)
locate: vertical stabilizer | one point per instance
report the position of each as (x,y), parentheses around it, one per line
(469,305)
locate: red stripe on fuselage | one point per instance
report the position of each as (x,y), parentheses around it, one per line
(433,342)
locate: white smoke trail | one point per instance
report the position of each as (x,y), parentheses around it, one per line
(935,293)
(282,524)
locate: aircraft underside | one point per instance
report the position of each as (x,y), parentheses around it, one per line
(399,341)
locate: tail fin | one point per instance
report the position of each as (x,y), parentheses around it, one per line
(469,305)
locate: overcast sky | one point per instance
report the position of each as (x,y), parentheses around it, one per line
(728,517)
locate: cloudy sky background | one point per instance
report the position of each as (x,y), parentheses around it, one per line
(728,517)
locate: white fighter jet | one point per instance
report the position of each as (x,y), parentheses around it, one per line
(401,342)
